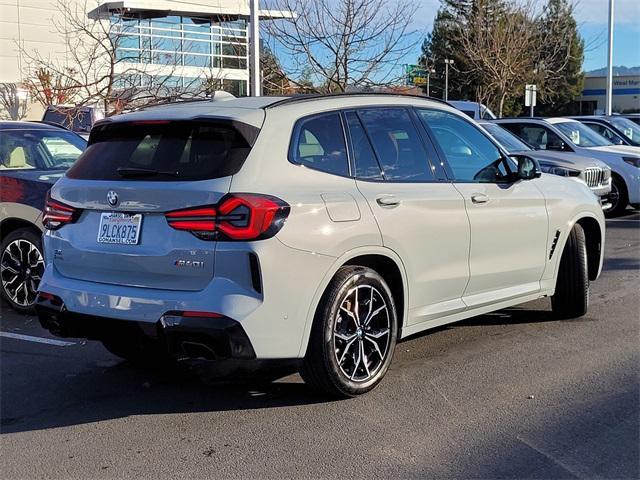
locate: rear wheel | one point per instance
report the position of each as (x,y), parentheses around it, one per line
(618,198)
(571,298)
(21,268)
(353,336)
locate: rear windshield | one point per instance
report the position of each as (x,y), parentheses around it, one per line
(162,151)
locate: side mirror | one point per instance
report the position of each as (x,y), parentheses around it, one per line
(528,168)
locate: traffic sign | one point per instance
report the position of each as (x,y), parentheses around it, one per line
(530,95)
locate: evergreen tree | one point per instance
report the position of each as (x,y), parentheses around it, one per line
(560,70)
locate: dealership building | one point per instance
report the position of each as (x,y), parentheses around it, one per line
(626,94)
(178,41)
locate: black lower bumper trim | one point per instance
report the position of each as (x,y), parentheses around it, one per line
(185,337)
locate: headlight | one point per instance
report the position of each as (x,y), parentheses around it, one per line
(635,161)
(555,170)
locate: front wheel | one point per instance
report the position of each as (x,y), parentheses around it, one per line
(618,198)
(353,336)
(571,298)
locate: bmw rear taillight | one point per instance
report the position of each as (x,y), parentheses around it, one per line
(238,216)
(56,214)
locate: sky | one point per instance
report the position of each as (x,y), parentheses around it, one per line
(592,18)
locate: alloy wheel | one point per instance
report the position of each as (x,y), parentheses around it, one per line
(21,269)
(361,333)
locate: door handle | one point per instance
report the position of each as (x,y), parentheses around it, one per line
(479,198)
(388,201)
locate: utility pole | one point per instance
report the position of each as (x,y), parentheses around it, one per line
(609,97)
(447,62)
(255,86)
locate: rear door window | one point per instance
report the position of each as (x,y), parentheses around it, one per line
(319,144)
(397,144)
(162,151)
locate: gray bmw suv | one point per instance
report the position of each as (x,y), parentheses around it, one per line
(317,231)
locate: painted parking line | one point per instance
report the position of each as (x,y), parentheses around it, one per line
(29,338)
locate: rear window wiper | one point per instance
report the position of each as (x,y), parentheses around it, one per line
(143,172)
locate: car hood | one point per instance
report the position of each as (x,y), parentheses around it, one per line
(565,159)
(623,149)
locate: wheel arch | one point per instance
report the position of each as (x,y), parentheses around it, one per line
(12,224)
(384,261)
(594,237)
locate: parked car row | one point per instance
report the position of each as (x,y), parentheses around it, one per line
(592,172)
(571,136)
(316,231)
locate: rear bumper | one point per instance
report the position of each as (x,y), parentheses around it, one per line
(275,319)
(184,337)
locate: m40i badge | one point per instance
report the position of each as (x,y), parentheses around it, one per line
(189,263)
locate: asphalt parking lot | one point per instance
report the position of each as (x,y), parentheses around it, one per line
(512,394)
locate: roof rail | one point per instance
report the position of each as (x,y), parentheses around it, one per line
(318,96)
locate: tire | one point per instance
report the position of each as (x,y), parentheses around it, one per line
(618,197)
(571,298)
(348,356)
(21,268)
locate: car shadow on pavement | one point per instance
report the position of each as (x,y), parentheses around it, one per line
(56,395)
(84,384)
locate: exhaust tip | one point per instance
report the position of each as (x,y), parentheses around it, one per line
(197,350)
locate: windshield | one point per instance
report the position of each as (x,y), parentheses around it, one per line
(581,135)
(505,138)
(630,129)
(39,149)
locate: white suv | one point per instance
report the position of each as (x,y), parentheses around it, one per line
(316,230)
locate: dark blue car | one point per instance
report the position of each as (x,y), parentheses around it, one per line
(32,157)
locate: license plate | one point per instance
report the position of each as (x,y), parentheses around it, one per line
(120,228)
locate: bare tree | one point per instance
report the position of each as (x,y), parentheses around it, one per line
(99,71)
(12,107)
(47,88)
(345,43)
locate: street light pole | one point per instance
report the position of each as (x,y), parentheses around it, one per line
(609,97)
(429,72)
(255,86)
(447,62)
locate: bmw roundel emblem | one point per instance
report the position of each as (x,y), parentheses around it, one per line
(112,198)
